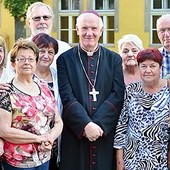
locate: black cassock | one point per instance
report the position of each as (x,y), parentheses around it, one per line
(77,152)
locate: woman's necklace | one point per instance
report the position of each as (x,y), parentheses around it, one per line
(93,92)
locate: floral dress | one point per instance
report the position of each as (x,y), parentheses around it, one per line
(142,129)
(32,114)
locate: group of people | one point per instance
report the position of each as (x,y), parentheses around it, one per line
(85,107)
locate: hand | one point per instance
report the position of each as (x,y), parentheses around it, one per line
(92,131)
(119,159)
(4,87)
(168,119)
(1,150)
(45,138)
(45,146)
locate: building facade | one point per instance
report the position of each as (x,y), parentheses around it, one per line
(119,16)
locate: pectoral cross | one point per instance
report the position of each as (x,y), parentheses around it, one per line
(94,93)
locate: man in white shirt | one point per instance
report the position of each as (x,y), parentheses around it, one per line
(39,18)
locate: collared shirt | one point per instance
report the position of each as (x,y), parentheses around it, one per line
(165,62)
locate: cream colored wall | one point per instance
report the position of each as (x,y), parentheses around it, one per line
(7,26)
(131,20)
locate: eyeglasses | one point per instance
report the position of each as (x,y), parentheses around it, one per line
(23,60)
(163,30)
(45,17)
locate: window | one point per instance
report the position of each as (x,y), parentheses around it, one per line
(106,8)
(70,9)
(157,8)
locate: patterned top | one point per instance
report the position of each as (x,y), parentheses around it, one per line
(32,114)
(142,129)
(165,62)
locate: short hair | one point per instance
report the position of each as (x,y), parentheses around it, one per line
(84,13)
(149,54)
(35,5)
(164,16)
(43,40)
(23,44)
(3,45)
(130,38)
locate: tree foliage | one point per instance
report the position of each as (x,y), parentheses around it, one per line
(18,8)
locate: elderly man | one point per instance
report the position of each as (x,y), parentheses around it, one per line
(39,19)
(91,86)
(163,31)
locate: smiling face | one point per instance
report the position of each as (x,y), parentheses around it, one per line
(163,30)
(149,71)
(40,21)
(46,56)
(89,29)
(25,64)
(129,52)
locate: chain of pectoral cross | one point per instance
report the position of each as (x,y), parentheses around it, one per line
(93,92)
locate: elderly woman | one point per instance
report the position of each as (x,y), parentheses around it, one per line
(28,110)
(48,48)
(142,135)
(3,56)
(129,46)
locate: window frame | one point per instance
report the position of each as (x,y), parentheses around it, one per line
(74,13)
(150,13)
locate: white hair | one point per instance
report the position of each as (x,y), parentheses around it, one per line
(130,38)
(165,16)
(35,5)
(83,15)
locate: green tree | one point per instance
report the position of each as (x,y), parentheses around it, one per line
(18,9)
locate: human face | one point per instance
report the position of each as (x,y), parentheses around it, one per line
(149,71)
(25,63)
(42,25)
(2,55)
(46,56)
(163,30)
(129,52)
(89,31)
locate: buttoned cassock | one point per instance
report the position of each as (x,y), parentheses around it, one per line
(77,152)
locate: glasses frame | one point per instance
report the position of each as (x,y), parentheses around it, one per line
(23,59)
(45,18)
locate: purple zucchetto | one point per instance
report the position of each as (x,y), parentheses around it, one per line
(91,12)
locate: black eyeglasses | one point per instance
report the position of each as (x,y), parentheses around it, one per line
(45,17)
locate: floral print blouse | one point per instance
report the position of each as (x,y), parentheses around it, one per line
(32,114)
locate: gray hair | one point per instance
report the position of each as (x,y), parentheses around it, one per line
(3,45)
(130,38)
(82,15)
(38,4)
(165,16)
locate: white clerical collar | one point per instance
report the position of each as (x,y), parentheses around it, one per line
(90,53)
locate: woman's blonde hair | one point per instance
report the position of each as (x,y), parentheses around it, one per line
(3,45)
(23,44)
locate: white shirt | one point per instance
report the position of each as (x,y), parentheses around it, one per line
(62,47)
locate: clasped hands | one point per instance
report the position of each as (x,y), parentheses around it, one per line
(92,131)
(46,142)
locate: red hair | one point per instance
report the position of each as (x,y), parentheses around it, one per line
(149,54)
